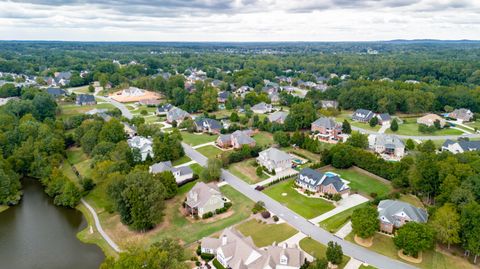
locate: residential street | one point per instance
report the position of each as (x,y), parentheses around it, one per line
(300,223)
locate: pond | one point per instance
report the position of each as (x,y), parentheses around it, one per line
(38,234)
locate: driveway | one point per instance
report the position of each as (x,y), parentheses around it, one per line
(299,222)
(344,204)
(286,173)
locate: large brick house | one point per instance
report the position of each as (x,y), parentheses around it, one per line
(394,214)
(327,129)
(324,183)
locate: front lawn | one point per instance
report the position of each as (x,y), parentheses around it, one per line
(335,222)
(307,207)
(348,116)
(197,168)
(210,151)
(362,183)
(73,109)
(318,250)
(431,259)
(182,160)
(194,139)
(246,171)
(263,139)
(410,127)
(265,234)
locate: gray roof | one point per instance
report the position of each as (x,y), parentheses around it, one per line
(314,178)
(164,108)
(177,114)
(85,98)
(161,167)
(384,117)
(201,193)
(276,155)
(465,145)
(223,95)
(243,137)
(183,170)
(362,114)
(388,209)
(56,91)
(389,141)
(325,122)
(204,122)
(278,116)
(260,106)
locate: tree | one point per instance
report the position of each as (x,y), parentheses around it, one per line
(91,88)
(112,131)
(394,125)
(358,140)
(334,253)
(427,147)
(446,224)
(410,145)
(209,99)
(373,122)
(365,221)
(470,223)
(281,138)
(165,254)
(318,264)
(234,117)
(169,182)
(346,128)
(414,237)
(301,115)
(10,187)
(259,171)
(213,170)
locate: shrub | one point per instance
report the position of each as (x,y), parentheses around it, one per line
(373,194)
(144,112)
(275,218)
(207,256)
(336,197)
(199,250)
(87,184)
(266,214)
(207,215)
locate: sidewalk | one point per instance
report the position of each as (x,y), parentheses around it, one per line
(344,204)
(185,164)
(345,230)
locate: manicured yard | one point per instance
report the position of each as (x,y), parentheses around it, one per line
(72,109)
(194,139)
(362,182)
(367,267)
(307,207)
(182,160)
(411,199)
(431,259)
(265,234)
(348,116)
(263,139)
(312,157)
(335,222)
(318,250)
(410,127)
(210,151)
(246,171)
(197,168)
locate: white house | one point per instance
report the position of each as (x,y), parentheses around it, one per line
(274,160)
(144,145)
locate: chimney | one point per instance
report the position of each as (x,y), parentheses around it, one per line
(224,240)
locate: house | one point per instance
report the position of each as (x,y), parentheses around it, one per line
(223,96)
(130,130)
(150,102)
(461,114)
(178,115)
(430,120)
(327,129)
(241,91)
(460,146)
(85,100)
(144,146)
(206,125)
(182,174)
(236,139)
(362,115)
(204,198)
(274,160)
(384,118)
(56,92)
(216,83)
(274,97)
(326,104)
(394,214)
(99,112)
(278,117)
(262,108)
(235,251)
(163,109)
(324,183)
(389,146)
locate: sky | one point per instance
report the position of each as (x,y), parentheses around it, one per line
(239,20)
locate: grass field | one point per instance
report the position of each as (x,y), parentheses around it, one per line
(210,151)
(246,172)
(363,183)
(194,139)
(410,127)
(265,234)
(263,139)
(304,206)
(367,267)
(76,155)
(72,109)
(431,259)
(335,222)
(197,169)
(412,199)
(318,250)
(182,160)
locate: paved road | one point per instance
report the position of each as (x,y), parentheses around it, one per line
(99,227)
(299,222)
(426,137)
(125,112)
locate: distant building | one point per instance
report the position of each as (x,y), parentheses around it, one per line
(324,183)
(236,139)
(56,92)
(275,160)
(460,146)
(178,115)
(206,125)
(182,174)
(85,100)
(384,118)
(362,115)
(389,146)
(394,214)
(278,117)
(430,120)
(223,96)
(144,145)
(329,104)
(262,108)
(461,114)
(163,109)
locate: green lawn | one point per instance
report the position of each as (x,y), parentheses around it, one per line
(363,183)
(197,168)
(265,234)
(263,139)
(84,168)
(348,116)
(367,267)
(410,127)
(246,171)
(411,199)
(318,250)
(182,160)
(217,264)
(304,206)
(210,151)
(431,259)
(76,155)
(72,109)
(335,222)
(194,139)
(3,208)
(312,157)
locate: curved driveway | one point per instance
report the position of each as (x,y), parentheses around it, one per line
(300,223)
